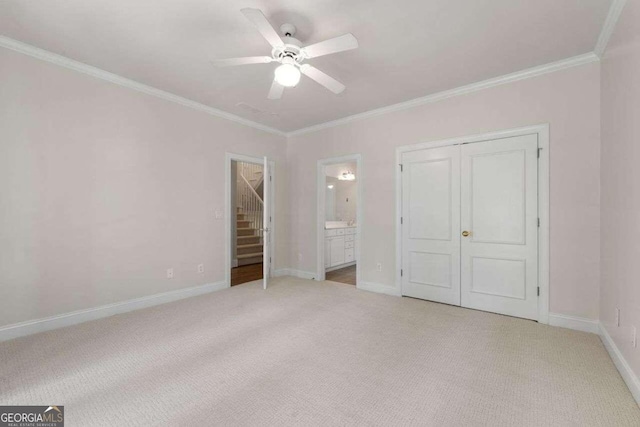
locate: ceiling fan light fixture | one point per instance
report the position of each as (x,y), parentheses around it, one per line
(287,75)
(347,176)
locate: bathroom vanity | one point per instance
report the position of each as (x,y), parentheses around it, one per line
(339,247)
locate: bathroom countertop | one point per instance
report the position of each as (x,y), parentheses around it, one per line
(332,225)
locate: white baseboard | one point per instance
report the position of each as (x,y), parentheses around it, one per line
(304,274)
(573,322)
(364,286)
(378,288)
(73,318)
(295,273)
(629,377)
(282,272)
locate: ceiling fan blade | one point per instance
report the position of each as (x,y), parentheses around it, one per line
(336,44)
(258,19)
(276,90)
(327,81)
(242,61)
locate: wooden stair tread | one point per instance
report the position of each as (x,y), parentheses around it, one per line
(257,254)
(250,245)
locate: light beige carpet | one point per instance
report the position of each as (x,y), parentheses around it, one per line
(309,353)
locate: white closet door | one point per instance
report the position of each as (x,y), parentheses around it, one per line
(499,210)
(431,224)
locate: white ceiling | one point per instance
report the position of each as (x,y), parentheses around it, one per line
(408,48)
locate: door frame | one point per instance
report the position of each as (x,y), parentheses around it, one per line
(542,131)
(320,214)
(228,203)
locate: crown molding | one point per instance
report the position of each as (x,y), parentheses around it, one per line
(62,61)
(71,64)
(609,26)
(462,90)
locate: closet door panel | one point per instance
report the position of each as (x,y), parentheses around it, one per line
(431,224)
(499,212)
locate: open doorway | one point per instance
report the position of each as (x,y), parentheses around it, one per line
(248,225)
(338,219)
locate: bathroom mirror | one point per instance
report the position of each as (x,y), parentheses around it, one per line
(341,193)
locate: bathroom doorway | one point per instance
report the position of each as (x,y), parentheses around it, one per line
(339,196)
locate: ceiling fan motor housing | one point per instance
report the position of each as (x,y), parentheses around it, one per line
(288,50)
(292,47)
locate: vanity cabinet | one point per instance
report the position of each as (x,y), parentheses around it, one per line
(339,246)
(337,250)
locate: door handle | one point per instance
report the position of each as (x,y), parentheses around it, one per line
(466,233)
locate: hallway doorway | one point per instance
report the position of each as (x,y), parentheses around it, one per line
(249,219)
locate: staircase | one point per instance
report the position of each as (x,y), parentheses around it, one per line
(249,214)
(248,240)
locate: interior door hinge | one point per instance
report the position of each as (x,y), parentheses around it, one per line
(401,221)
(539,150)
(401,168)
(538,290)
(401,273)
(538,222)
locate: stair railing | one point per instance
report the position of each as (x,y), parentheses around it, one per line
(251,203)
(252,172)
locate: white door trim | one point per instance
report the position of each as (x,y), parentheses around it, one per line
(229,157)
(320,215)
(543,201)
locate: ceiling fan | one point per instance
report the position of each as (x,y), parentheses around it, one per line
(290,54)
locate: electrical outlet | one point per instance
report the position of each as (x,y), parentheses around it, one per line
(169,273)
(617,317)
(200,268)
(299,257)
(379,266)
(218,214)
(634,338)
